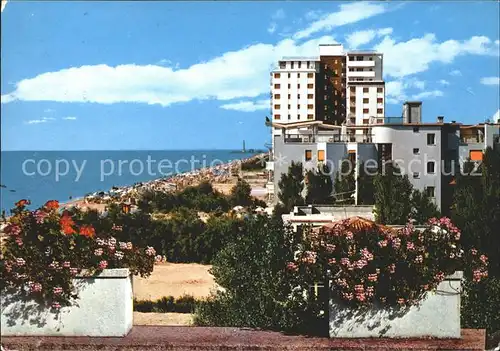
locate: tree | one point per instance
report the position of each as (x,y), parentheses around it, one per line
(345,184)
(291,186)
(319,186)
(423,208)
(240,194)
(392,196)
(365,186)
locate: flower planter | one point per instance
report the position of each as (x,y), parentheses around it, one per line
(438,315)
(104,308)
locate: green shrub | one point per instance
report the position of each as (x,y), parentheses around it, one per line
(183,304)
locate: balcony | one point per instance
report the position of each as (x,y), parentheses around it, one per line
(363,74)
(336,138)
(361,63)
(472,139)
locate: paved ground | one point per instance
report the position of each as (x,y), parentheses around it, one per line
(197,338)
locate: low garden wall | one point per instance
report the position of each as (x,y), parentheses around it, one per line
(438,315)
(104,308)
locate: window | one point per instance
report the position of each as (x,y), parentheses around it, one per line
(326,107)
(380,100)
(308,64)
(365,90)
(309,107)
(298,106)
(380,90)
(370,58)
(289,96)
(308,155)
(310,116)
(300,63)
(277,75)
(379,110)
(289,106)
(476,155)
(289,117)
(276,86)
(289,86)
(298,86)
(298,116)
(336,82)
(277,116)
(359,58)
(326,87)
(310,86)
(298,74)
(431,167)
(325,97)
(380,121)
(277,96)
(310,75)
(416,129)
(365,110)
(366,121)
(353,90)
(335,112)
(416,151)
(365,100)
(298,96)
(416,175)
(430,191)
(277,107)
(336,92)
(431,139)
(353,120)
(292,64)
(335,61)
(321,155)
(353,109)
(310,96)
(282,64)
(289,75)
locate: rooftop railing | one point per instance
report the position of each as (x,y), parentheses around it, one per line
(337,138)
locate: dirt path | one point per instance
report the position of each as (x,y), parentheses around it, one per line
(175,279)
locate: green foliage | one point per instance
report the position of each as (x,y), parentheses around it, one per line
(479,308)
(366,188)
(392,196)
(255,164)
(423,208)
(202,198)
(251,270)
(319,186)
(240,194)
(345,183)
(291,186)
(183,304)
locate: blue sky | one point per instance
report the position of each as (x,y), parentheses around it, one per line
(195,75)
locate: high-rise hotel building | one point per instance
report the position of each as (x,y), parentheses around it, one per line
(337,87)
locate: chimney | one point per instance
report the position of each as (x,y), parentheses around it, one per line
(440,119)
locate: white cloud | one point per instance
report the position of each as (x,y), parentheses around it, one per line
(48,110)
(313,15)
(4,3)
(497,42)
(444,82)
(38,121)
(247,106)
(222,78)
(455,73)
(69,118)
(398,91)
(490,80)
(415,55)
(363,37)
(347,14)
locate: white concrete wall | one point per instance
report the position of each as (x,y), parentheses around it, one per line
(104,308)
(438,315)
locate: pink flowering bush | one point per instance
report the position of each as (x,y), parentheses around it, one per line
(46,249)
(370,263)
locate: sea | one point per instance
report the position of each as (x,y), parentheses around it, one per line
(40,176)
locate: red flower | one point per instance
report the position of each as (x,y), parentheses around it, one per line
(87,230)
(51,205)
(22,203)
(67,223)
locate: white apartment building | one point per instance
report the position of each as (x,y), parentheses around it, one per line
(365,88)
(293,85)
